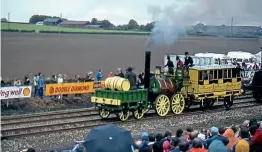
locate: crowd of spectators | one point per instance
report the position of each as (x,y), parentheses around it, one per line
(246,137)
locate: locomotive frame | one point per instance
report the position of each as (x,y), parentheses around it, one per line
(164,92)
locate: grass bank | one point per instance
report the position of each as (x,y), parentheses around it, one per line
(16,27)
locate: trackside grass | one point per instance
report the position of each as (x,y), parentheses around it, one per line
(16,27)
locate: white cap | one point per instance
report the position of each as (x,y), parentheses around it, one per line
(201,136)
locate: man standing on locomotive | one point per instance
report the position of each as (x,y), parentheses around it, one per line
(131,76)
(188,62)
(170,65)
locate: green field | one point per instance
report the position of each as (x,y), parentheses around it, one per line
(55,29)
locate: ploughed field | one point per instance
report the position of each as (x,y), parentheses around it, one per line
(26,53)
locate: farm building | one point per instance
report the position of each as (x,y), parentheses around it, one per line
(75,24)
(52,21)
(93,26)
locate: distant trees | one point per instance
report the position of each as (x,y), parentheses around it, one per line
(105,24)
(132,25)
(3,20)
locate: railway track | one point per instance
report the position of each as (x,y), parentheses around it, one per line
(89,121)
(65,114)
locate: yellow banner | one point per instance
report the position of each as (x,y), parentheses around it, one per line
(73,88)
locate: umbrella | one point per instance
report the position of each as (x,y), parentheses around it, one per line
(109,138)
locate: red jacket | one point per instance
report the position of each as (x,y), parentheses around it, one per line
(198,150)
(180,64)
(257,138)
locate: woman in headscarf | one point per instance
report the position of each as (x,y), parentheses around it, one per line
(230,135)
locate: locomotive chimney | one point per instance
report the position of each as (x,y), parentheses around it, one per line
(147,68)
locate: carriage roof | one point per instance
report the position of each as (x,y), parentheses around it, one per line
(213,55)
(213,67)
(240,54)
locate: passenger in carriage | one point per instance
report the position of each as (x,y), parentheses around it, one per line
(179,62)
(170,66)
(188,60)
(255,67)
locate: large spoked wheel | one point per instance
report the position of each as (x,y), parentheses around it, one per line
(123,115)
(104,113)
(138,114)
(228,103)
(177,103)
(162,105)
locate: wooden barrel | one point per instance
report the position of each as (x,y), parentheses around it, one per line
(117,83)
(107,82)
(162,85)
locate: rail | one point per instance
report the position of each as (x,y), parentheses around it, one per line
(12,128)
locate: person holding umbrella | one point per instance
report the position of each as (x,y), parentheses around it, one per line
(109,138)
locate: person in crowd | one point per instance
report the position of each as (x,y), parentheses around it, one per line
(243,143)
(213,135)
(230,135)
(191,138)
(167,136)
(35,79)
(201,136)
(152,140)
(170,65)
(41,85)
(157,146)
(175,144)
(166,146)
(131,76)
(120,73)
(221,130)
(143,147)
(183,146)
(197,146)
(244,68)
(253,122)
(179,133)
(110,74)
(89,77)
(17,82)
(53,79)
(256,139)
(99,75)
(188,131)
(2,82)
(60,80)
(27,80)
(218,146)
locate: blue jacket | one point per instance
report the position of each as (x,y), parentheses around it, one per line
(41,82)
(143,147)
(99,76)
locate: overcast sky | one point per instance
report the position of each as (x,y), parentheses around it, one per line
(245,12)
